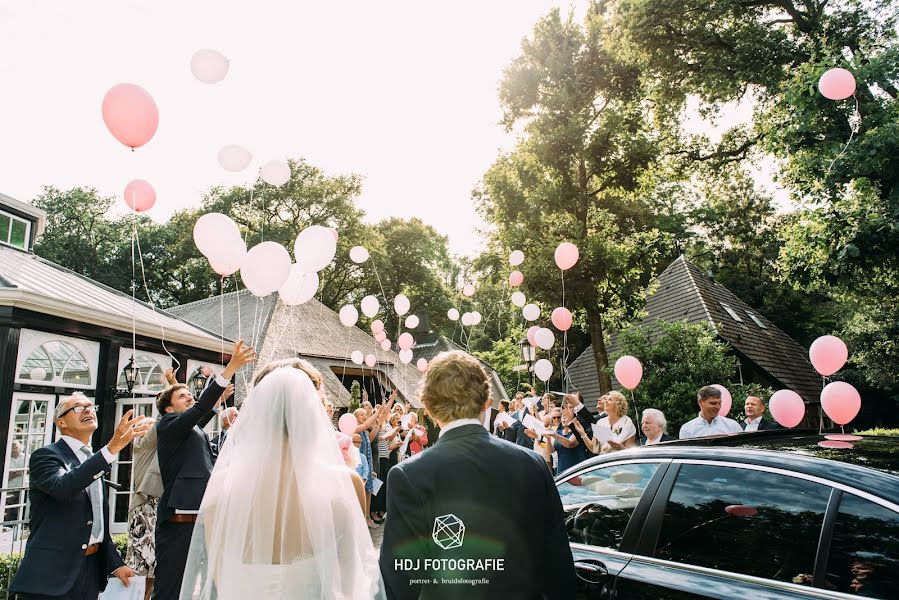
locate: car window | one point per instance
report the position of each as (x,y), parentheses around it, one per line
(744,521)
(864,550)
(598,503)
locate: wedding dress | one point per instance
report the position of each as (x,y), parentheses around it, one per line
(280,518)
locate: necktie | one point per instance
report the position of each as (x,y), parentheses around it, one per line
(95,492)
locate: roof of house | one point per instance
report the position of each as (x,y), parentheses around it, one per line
(33,283)
(310,330)
(685,293)
(428,349)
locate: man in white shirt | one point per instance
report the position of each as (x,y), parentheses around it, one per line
(709,422)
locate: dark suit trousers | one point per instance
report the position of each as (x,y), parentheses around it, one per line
(172,545)
(86,587)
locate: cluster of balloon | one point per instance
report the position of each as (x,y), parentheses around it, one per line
(840,400)
(470,319)
(218,238)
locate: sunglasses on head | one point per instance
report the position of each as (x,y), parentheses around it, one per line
(79,409)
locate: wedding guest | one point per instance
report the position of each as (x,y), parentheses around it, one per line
(654,427)
(363,443)
(569,451)
(183,448)
(575,403)
(418,436)
(709,422)
(503,408)
(229,416)
(545,408)
(351,458)
(67,555)
(455,481)
(755,419)
(329,410)
(624,432)
(386,435)
(430,425)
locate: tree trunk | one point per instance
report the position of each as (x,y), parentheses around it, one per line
(600,356)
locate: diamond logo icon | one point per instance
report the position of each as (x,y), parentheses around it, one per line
(449,532)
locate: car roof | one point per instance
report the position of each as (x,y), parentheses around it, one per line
(871,465)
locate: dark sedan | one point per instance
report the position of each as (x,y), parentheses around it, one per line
(757,515)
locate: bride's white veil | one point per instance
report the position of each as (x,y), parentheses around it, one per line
(280,518)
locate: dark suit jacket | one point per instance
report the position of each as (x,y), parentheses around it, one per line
(61,522)
(217,443)
(517,434)
(764,425)
(185,455)
(586,419)
(665,438)
(493,413)
(456,479)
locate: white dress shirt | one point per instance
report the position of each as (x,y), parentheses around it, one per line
(699,427)
(752,424)
(76,446)
(459,423)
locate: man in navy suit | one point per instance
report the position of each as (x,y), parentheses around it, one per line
(754,409)
(185,462)
(70,554)
(448,519)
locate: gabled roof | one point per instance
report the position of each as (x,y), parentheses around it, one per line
(685,293)
(310,330)
(428,349)
(30,282)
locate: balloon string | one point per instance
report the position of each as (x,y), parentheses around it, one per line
(854,125)
(222,314)
(346,353)
(143,275)
(287,320)
(133,294)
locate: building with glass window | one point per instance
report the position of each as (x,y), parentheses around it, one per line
(60,333)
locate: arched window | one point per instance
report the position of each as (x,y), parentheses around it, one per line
(56,361)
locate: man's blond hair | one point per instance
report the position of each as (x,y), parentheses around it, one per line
(455,387)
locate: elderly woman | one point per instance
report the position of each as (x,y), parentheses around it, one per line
(655,427)
(624,432)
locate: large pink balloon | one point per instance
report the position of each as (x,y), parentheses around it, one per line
(515,278)
(347,424)
(828,354)
(566,255)
(628,371)
(840,401)
(140,195)
(561,318)
(405,341)
(130,114)
(837,84)
(532,331)
(370,360)
(377,326)
(787,408)
(726,401)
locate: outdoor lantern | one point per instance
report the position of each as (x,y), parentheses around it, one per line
(131,371)
(528,352)
(198,382)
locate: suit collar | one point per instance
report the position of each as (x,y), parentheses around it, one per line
(66,449)
(462,431)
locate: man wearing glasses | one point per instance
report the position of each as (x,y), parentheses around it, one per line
(70,554)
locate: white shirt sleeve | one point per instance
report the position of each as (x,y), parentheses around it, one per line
(109,456)
(221,380)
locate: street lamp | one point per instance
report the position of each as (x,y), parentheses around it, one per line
(198,382)
(529,355)
(131,371)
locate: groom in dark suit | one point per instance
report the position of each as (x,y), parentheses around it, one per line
(449,522)
(185,462)
(70,555)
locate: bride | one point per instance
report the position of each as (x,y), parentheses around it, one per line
(280,518)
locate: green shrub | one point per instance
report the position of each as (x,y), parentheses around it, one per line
(878,431)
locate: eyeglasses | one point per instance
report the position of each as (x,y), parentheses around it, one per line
(79,409)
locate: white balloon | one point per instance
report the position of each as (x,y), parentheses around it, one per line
(545,338)
(215,234)
(518,299)
(266,268)
(468,290)
(209,66)
(228,260)
(358,254)
(411,322)
(516,258)
(475,318)
(300,287)
(370,360)
(234,158)
(466,319)
(314,248)
(370,306)
(453,314)
(275,172)
(357,357)
(349,315)
(401,304)
(405,356)
(37,374)
(531,312)
(543,369)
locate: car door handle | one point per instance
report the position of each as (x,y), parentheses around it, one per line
(591,571)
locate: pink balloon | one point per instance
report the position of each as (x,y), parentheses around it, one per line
(405,341)
(843,437)
(726,401)
(561,318)
(628,371)
(380,336)
(532,331)
(835,444)
(840,401)
(130,114)
(828,354)
(837,84)
(787,408)
(334,233)
(377,326)
(740,510)
(370,360)
(566,255)
(422,364)
(140,195)
(385,344)
(515,278)
(347,424)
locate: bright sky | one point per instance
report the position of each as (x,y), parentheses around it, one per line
(403,93)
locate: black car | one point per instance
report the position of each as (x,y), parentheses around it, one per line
(758,515)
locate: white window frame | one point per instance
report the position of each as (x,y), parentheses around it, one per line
(31,340)
(12,218)
(164,361)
